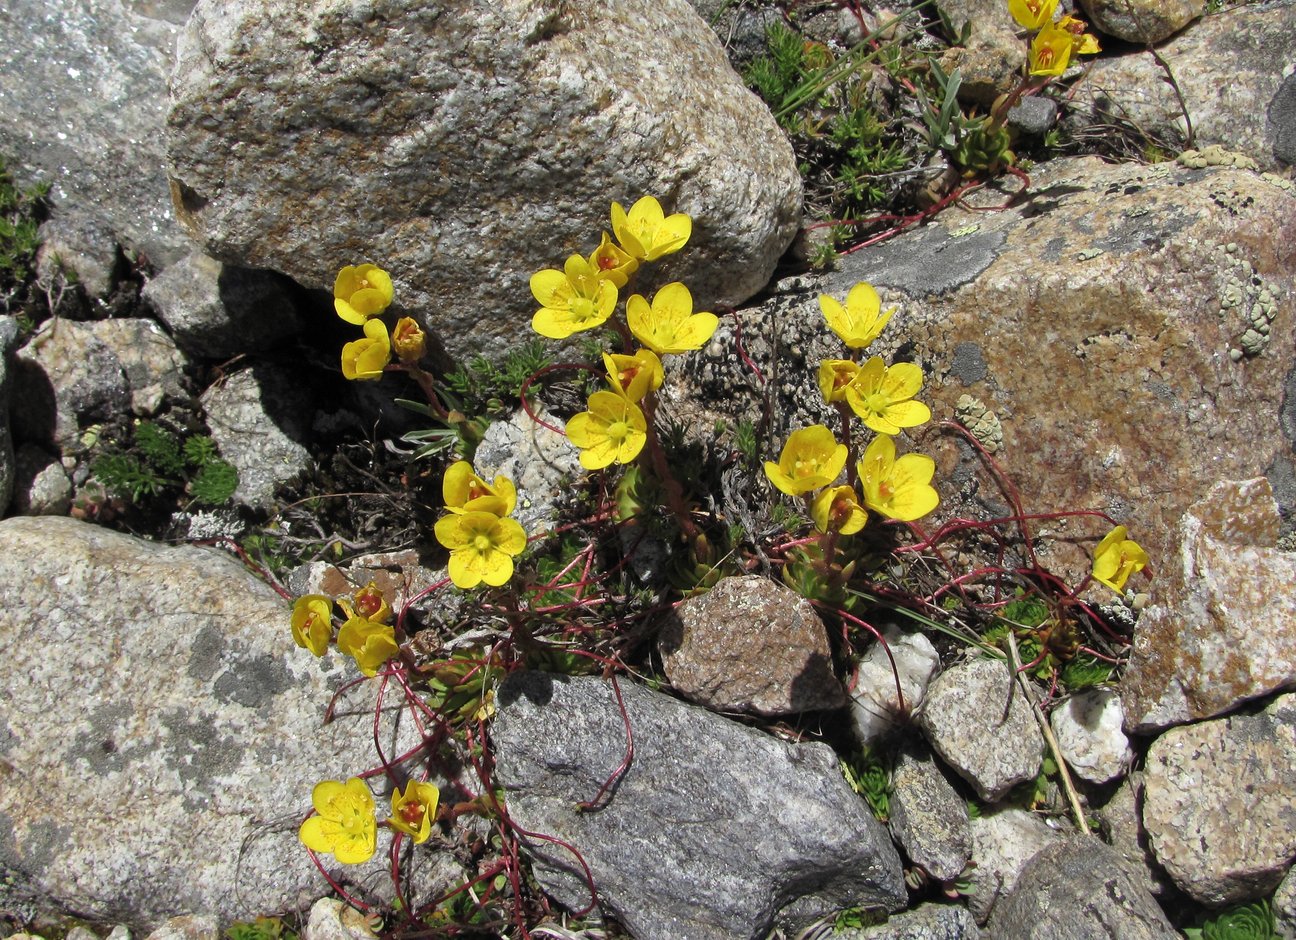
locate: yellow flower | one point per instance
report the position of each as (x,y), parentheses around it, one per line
(482,546)
(1032,14)
(573,299)
(882,396)
(312,622)
(835,377)
(344,825)
(614,430)
(464,491)
(368,603)
(1116,558)
(1050,51)
(1083,43)
(408,340)
(647,233)
(634,376)
(361,292)
(837,508)
(669,325)
(368,642)
(366,358)
(613,263)
(898,489)
(811,458)
(412,812)
(862,319)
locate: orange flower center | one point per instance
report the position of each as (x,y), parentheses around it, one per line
(368,603)
(606,262)
(885,489)
(412,814)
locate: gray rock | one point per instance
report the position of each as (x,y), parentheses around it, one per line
(1087,727)
(981,725)
(715,830)
(740,28)
(81,247)
(153,366)
(1002,843)
(1122,820)
(259,420)
(331,919)
(1197,240)
(8,336)
(750,645)
(174,12)
(1230,68)
(1220,630)
(41,486)
(540,462)
(1284,907)
(416,136)
(924,922)
(66,376)
(85,100)
(188,927)
(1079,890)
(1033,115)
(71,374)
(194,740)
(1217,803)
(928,817)
(992,58)
(1281,120)
(876,702)
(216,310)
(1142,21)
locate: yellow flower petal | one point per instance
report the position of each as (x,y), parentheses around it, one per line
(669,324)
(646,233)
(898,489)
(412,812)
(365,359)
(811,458)
(1116,558)
(1032,14)
(361,292)
(861,320)
(613,430)
(1050,51)
(312,622)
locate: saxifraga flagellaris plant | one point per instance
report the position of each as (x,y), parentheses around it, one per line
(551,600)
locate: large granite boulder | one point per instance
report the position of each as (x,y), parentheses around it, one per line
(464,146)
(1231,70)
(85,97)
(161,733)
(1220,631)
(1122,325)
(714,830)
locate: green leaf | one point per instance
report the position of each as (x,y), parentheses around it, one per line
(215,483)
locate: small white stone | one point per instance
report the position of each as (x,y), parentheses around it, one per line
(1088,731)
(875,707)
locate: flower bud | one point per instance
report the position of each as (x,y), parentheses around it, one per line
(408,340)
